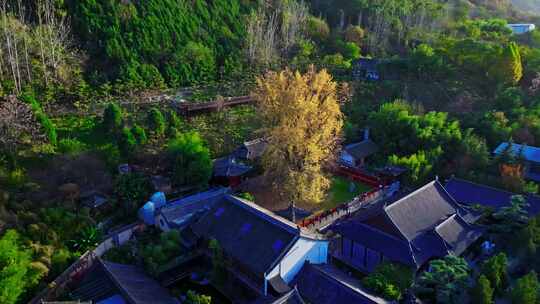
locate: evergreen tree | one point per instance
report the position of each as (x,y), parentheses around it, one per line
(156,122)
(526,290)
(112,118)
(482,293)
(191,160)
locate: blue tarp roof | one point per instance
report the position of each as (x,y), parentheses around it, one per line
(469,193)
(530,153)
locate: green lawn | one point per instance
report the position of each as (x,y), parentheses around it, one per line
(339,192)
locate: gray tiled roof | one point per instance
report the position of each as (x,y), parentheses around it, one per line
(322,285)
(192,204)
(229,167)
(362,149)
(421,210)
(136,286)
(426,223)
(457,234)
(253,236)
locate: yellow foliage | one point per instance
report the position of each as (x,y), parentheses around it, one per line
(303,125)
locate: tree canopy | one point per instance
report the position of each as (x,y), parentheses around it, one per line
(303,124)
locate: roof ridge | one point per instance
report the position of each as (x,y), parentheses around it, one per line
(481,185)
(400,200)
(264,213)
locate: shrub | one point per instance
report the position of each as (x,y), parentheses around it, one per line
(389,280)
(526,290)
(317,29)
(139,134)
(112,118)
(482,293)
(70,146)
(156,122)
(127,142)
(194,298)
(160,253)
(175,123)
(354,34)
(48,127)
(132,188)
(247,196)
(495,271)
(191,158)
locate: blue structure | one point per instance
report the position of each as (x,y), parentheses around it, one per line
(522,28)
(147,213)
(158,199)
(530,154)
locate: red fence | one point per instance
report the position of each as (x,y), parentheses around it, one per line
(360,176)
(343,209)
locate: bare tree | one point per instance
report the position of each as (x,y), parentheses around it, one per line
(274,29)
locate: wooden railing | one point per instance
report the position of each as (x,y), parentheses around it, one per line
(190,108)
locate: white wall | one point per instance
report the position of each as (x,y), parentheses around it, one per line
(314,251)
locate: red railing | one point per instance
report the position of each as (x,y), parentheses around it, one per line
(360,176)
(342,209)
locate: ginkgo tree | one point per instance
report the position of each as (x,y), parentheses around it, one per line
(303,124)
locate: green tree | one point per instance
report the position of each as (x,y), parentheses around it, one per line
(512,217)
(482,292)
(389,280)
(112,118)
(191,160)
(132,190)
(526,290)
(17,271)
(156,122)
(139,134)
(194,298)
(317,29)
(127,142)
(494,270)
(446,280)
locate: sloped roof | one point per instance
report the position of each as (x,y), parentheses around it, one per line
(229,167)
(362,149)
(393,247)
(251,149)
(469,193)
(530,153)
(318,285)
(189,205)
(136,286)
(421,210)
(424,224)
(252,235)
(292,297)
(457,234)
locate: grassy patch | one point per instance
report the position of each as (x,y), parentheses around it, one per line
(340,192)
